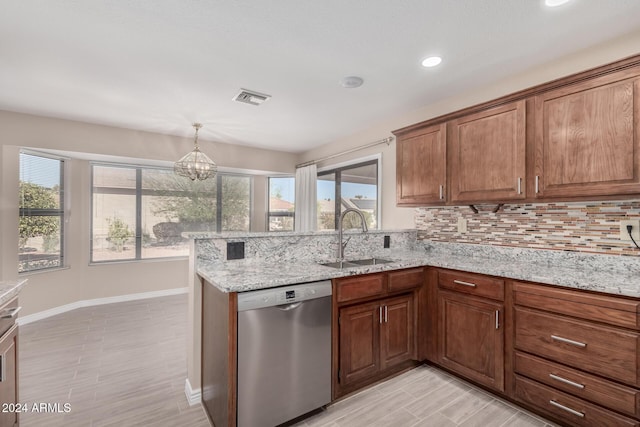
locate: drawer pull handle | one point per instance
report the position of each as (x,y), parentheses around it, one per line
(568,341)
(441,193)
(497,319)
(566,381)
(460,282)
(380,314)
(11,313)
(565,408)
(386,314)
(537,184)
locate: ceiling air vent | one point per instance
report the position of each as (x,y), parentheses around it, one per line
(251,97)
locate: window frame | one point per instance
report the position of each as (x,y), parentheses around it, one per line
(279,214)
(352,164)
(62,212)
(139,193)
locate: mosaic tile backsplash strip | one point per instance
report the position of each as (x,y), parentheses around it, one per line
(578,226)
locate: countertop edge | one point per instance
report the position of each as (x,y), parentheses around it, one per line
(10,289)
(608,283)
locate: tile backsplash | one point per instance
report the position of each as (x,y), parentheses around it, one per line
(577,226)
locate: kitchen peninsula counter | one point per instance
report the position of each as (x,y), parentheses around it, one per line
(577,271)
(10,289)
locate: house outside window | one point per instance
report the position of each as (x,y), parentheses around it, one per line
(41,213)
(350,186)
(141,212)
(281,204)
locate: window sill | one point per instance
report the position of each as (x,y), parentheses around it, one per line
(44,270)
(130,261)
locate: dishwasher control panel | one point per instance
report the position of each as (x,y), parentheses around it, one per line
(252,300)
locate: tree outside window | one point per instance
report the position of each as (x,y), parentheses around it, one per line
(41,213)
(141,213)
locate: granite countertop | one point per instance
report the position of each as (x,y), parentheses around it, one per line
(9,289)
(246,275)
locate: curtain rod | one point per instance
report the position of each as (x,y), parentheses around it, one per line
(342,153)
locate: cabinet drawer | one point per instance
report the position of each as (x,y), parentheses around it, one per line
(6,318)
(406,279)
(593,348)
(572,410)
(359,287)
(616,311)
(606,393)
(473,284)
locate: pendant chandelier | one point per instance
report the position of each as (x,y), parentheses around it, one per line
(196,164)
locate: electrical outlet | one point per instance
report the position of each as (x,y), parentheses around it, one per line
(462,225)
(635,231)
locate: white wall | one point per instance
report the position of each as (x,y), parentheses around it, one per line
(50,289)
(395,217)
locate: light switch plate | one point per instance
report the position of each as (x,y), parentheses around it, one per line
(635,231)
(462,225)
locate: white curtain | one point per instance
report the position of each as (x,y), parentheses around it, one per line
(306,198)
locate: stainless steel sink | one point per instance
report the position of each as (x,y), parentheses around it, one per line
(370,261)
(339,264)
(355,263)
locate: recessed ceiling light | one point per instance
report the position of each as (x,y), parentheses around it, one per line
(431,61)
(351,82)
(555,3)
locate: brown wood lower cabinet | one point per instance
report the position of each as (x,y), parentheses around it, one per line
(586,386)
(375,336)
(576,355)
(375,327)
(471,339)
(359,342)
(571,410)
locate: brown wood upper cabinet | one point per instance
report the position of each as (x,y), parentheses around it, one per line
(421,166)
(487,155)
(586,138)
(574,138)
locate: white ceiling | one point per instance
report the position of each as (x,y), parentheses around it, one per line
(159,65)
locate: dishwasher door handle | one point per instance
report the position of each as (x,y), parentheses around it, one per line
(288,307)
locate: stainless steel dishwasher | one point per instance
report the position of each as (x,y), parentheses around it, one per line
(284,353)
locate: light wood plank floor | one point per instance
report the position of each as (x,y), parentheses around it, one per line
(120,364)
(424,397)
(124,364)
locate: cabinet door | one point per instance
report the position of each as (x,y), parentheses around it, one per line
(9,376)
(471,338)
(359,341)
(586,138)
(421,167)
(397,335)
(487,161)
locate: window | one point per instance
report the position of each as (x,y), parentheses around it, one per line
(281,203)
(140,212)
(41,210)
(353,186)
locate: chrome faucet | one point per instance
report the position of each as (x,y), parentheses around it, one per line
(342,245)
